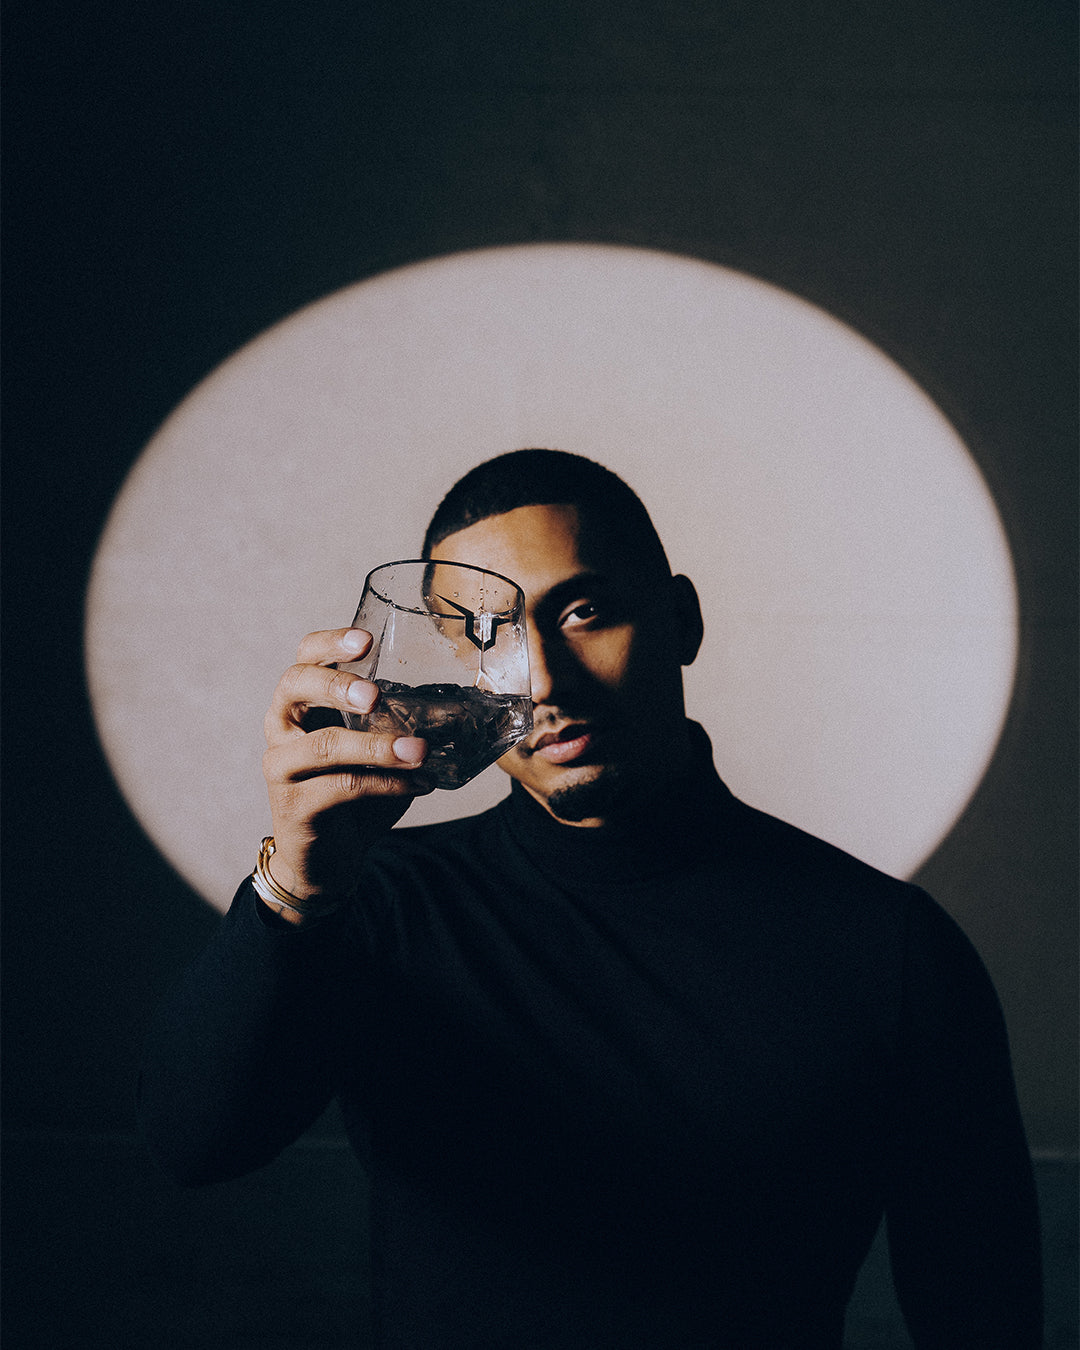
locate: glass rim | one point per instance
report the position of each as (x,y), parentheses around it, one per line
(427,562)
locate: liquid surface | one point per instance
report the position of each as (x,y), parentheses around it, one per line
(466,729)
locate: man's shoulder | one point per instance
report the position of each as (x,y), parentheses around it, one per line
(817,886)
(778,848)
(777,845)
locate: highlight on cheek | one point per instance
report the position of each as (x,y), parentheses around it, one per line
(609,653)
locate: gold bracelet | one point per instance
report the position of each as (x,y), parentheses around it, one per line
(266,888)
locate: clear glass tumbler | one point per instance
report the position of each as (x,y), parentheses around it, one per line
(450,656)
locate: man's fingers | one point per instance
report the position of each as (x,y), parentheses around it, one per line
(333,644)
(315,798)
(339,750)
(312,770)
(315,686)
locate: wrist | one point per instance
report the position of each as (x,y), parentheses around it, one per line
(282,901)
(282,875)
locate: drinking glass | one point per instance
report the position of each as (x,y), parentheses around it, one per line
(450,656)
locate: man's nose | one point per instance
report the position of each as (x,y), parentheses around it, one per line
(542,669)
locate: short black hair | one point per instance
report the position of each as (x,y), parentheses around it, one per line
(608,507)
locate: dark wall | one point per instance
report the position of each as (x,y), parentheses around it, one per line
(178,178)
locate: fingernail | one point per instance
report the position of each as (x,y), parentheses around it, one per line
(361,695)
(409,749)
(353,640)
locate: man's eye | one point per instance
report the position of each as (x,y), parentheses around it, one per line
(579,614)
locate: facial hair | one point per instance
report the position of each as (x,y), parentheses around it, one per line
(595,799)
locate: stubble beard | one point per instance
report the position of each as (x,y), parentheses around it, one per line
(595,799)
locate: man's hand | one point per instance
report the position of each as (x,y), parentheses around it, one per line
(333,791)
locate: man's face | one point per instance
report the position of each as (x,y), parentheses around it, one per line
(607,639)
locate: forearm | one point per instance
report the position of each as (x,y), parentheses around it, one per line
(244,1052)
(962,1212)
(965,1241)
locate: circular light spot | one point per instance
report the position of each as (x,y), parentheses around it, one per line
(858,592)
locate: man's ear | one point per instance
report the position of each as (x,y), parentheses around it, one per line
(689,624)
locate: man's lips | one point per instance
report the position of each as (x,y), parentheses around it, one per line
(561,747)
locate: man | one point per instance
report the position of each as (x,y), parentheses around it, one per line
(631,1066)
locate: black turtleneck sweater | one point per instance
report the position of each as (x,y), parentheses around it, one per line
(639,1089)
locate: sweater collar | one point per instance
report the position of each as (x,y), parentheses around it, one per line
(672,835)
